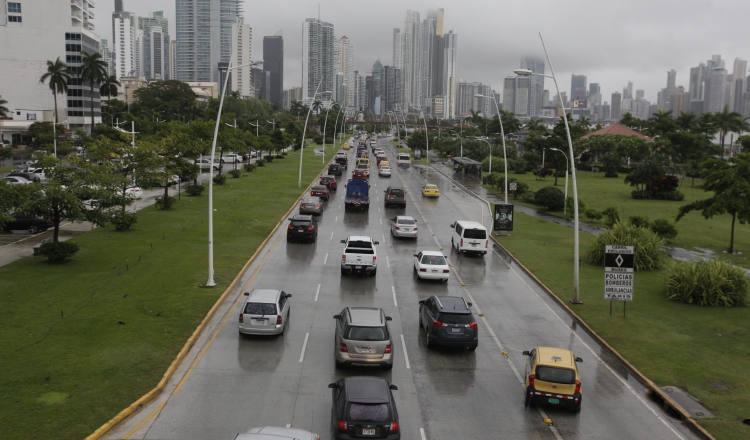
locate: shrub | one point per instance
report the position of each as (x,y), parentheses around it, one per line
(611,216)
(58,252)
(662,195)
(123,220)
(706,283)
(280,156)
(569,205)
(664,229)
(521,166)
(521,187)
(640,221)
(542,173)
(268,158)
(236,173)
(529,197)
(497,164)
(194,190)
(592,214)
(551,197)
(249,167)
(318,140)
(260,163)
(649,247)
(220,179)
(166,203)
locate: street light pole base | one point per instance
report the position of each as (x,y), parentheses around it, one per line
(572,301)
(209,283)
(503,234)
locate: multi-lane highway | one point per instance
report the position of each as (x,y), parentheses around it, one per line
(230,383)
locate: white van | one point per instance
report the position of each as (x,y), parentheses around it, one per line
(469,236)
(403,160)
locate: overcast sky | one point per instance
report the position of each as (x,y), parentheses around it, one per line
(611,42)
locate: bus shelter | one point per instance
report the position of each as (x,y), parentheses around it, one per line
(467,167)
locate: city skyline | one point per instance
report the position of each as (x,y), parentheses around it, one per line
(619,43)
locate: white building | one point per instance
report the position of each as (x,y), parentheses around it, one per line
(242,80)
(344,60)
(31,36)
(124,37)
(450,50)
(317,58)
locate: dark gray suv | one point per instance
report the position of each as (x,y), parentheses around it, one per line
(448,320)
(395,196)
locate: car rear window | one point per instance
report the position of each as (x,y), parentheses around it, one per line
(397,192)
(255,308)
(359,244)
(367,333)
(433,259)
(456,318)
(475,233)
(556,375)
(406,221)
(376,413)
(301,222)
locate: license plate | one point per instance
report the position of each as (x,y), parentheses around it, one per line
(474,244)
(456,330)
(368,431)
(358,267)
(434,271)
(300,230)
(365,349)
(555,401)
(260,321)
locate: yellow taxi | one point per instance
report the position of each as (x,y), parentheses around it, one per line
(384,163)
(347,146)
(430,190)
(552,378)
(363,160)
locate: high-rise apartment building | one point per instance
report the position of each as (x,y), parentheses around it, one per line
(616,108)
(536,91)
(679,101)
(737,88)
(291,95)
(124,42)
(317,59)
(273,62)
(204,37)
(670,90)
(40,34)
(627,92)
(594,88)
(391,88)
(343,60)
(242,80)
(715,89)
(578,87)
(408,56)
(154,50)
(173,59)
(450,50)
(107,56)
(516,91)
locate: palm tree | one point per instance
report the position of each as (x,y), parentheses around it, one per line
(3,108)
(585,123)
(58,75)
(536,125)
(686,121)
(662,123)
(706,125)
(93,70)
(511,124)
(296,109)
(317,105)
(109,86)
(726,122)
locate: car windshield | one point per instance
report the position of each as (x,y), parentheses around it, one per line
(396,192)
(367,333)
(456,318)
(374,413)
(556,375)
(475,233)
(253,308)
(436,260)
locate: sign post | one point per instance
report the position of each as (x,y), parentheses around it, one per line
(619,265)
(503,219)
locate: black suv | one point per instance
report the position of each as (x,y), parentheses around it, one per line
(363,407)
(302,227)
(447,320)
(29,223)
(334,169)
(395,196)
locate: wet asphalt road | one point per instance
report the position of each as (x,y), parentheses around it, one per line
(230,384)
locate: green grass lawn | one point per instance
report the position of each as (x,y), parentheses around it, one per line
(694,232)
(674,344)
(83,340)
(7,168)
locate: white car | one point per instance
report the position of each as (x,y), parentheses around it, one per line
(134,191)
(17,180)
(404,226)
(275,433)
(231,158)
(384,171)
(431,265)
(205,164)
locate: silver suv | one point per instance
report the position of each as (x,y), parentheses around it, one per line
(363,337)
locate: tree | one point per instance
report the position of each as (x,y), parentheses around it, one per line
(629,120)
(730,183)
(93,70)
(726,122)
(686,121)
(537,126)
(58,75)
(706,125)
(317,106)
(168,98)
(41,134)
(662,123)
(109,86)
(3,108)
(511,124)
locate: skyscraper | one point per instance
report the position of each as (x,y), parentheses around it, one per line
(594,89)
(242,80)
(411,57)
(155,54)
(124,42)
(536,91)
(450,48)
(516,91)
(737,90)
(714,92)
(616,108)
(317,58)
(578,87)
(344,60)
(671,89)
(154,19)
(204,37)
(273,61)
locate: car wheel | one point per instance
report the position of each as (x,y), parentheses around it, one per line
(33,229)
(420,320)
(343,272)
(445,280)
(577,409)
(340,365)
(374,272)
(388,367)
(527,400)
(428,339)
(473,347)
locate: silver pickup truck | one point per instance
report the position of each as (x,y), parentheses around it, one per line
(359,256)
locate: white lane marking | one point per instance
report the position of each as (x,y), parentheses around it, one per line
(339,208)
(383,239)
(337,219)
(304,346)
(387,261)
(394,296)
(378,208)
(406,356)
(332,234)
(421,432)
(377,199)
(325,260)
(317,292)
(381,221)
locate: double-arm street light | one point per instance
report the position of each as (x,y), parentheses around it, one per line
(526,72)
(502,135)
(211,282)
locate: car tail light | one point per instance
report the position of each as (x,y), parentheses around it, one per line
(291,227)
(278,319)
(397,228)
(343,258)
(242,319)
(415,229)
(342,348)
(318,205)
(462,242)
(393,427)
(436,323)
(311,228)
(486,243)
(531,379)
(578,386)
(423,269)
(387,349)
(473,324)
(342,425)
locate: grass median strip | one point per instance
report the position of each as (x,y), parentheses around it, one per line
(83,340)
(703,350)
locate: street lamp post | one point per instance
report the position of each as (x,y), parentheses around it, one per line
(324,132)
(304,131)
(502,134)
(426,135)
(526,72)
(335,127)
(211,282)
(565,207)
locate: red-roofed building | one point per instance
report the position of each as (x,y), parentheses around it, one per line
(618,129)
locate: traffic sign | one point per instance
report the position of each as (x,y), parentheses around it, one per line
(503,217)
(512,186)
(619,265)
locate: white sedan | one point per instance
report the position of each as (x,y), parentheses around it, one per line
(431,265)
(384,171)
(134,191)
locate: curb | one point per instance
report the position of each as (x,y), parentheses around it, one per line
(668,402)
(133,407)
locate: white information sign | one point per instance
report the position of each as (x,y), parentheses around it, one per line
(618,272)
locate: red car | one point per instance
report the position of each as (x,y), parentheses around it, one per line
(320,191)
(330,182)
(359,174)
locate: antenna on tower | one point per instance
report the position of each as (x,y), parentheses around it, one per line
(318,11)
